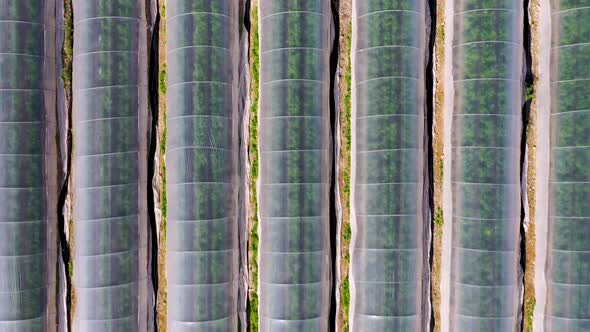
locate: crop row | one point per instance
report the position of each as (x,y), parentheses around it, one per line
(294,145)
(201,165)
(487,68)
(569,188)
(24,245)
(387,256)
(106,165)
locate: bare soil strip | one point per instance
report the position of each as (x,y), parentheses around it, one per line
(344,109)
(162,293)
(529,289)
(437,150)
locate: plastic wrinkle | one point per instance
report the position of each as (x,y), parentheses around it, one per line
(196,46)
(294,80)
(569,10)
(294,48)
(484,10)
(106,17)
(292,12)
(386,78)
(20,22)
(197,13)
(390,11)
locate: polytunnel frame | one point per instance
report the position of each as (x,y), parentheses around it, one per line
(232,104)
(48,163)
(424,209)
(259,182)
(144,316)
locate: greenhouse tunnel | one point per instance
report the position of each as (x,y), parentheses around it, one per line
(28,166)
(568,269)
(202,165)
(295,165)
(390,267)
(487,67)
(111,268)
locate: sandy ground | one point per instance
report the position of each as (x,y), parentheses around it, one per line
(445,279)
(543,96)
(437,147)
(343,165)
(161,292)
(531,172)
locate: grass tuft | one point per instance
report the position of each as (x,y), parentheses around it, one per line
(163,80)
(254,165)
(344,172)
(67,52)
(438,217)
(530,92)
(345,300)
(530,309)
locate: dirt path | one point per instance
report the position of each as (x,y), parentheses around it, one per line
(438,162)
(160,181)
(344,107)
(530,218)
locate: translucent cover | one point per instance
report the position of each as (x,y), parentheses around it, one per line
(201,164)
(295,157)
(568,270)
(28,180)
(109,167)
(486,137)
(389,86)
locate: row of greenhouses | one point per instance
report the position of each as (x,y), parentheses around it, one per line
(127,203)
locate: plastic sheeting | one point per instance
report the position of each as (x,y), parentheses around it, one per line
(202,165)
(486,137)
(28,166)
(389,257)
(295,165)
(568,270)
(109,166)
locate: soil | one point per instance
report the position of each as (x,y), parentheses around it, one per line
(161,292)
(437,147)
(530,238)
(345,17)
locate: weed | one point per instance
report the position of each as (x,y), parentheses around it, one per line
(438,217)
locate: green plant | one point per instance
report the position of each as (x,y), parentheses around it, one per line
(253,155)
(68,47)
(530,92)
(529,314)
(345,299)
(346,232)
(163,80)
(438,218)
